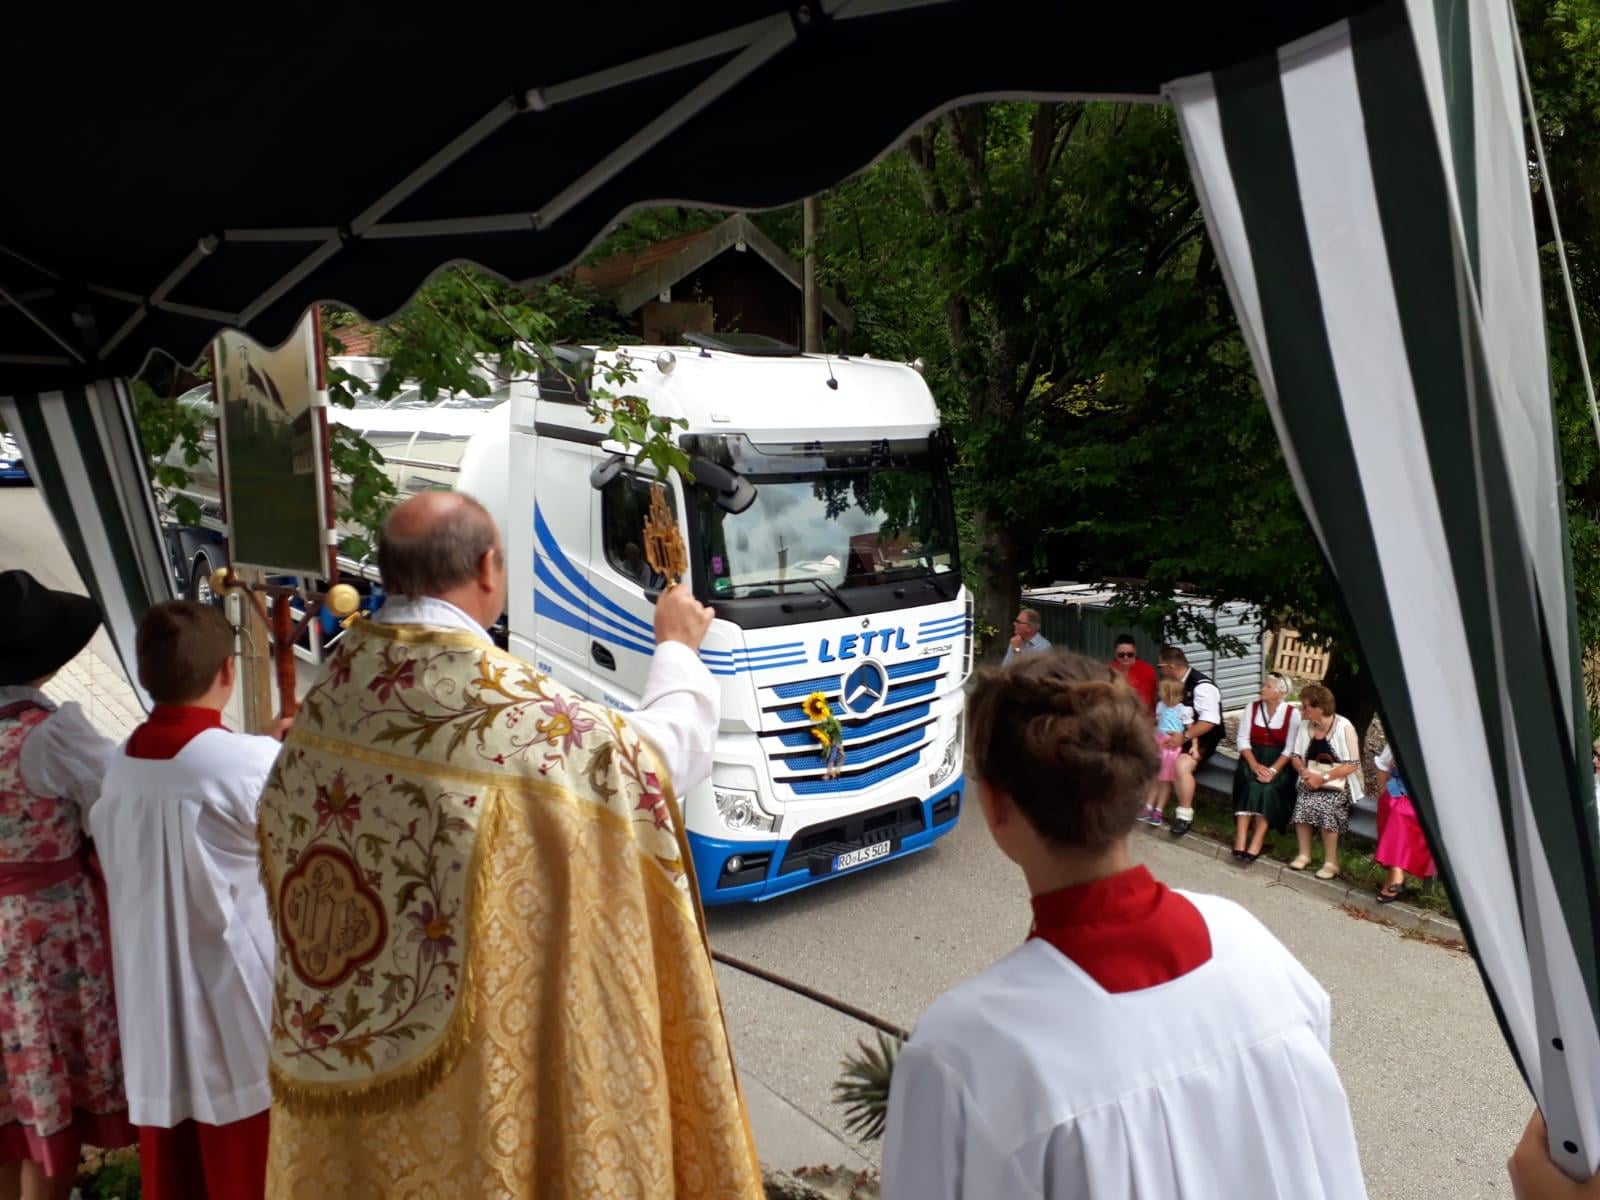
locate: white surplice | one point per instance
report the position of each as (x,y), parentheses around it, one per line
(1030,1080)
(192,947)
(677,714)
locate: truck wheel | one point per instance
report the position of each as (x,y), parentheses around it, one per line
(200,581)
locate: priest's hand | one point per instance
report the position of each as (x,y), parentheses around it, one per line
(681,618)
(280,728)
(1535,1177)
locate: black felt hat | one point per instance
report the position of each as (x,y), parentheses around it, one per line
(40,630)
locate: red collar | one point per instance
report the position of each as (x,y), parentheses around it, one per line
(1127,931)
(169,728)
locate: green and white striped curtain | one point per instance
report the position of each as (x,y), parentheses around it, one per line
(1367,192)
(84,453)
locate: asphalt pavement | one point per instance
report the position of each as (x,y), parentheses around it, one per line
(1437,1100)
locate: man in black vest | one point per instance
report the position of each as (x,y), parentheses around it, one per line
(1202,729)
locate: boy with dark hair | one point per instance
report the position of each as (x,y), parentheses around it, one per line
(192,942)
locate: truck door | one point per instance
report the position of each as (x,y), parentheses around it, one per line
(566,450)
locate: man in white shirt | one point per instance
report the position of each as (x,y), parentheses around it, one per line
(1202,730)
(1025,636)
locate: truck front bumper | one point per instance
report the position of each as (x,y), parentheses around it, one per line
(765,869)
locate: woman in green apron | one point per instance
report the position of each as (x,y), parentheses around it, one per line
(1263,783)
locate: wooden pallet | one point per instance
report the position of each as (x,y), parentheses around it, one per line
(1294,658)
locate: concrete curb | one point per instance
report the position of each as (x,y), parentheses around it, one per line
(1335,891)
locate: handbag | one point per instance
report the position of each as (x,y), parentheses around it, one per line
(1322,767)
(1324,763)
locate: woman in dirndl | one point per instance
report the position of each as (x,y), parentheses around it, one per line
(1327,755)
(1263,783)
(60,1060)
(1401,846)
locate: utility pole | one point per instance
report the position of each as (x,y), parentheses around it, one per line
(811,304)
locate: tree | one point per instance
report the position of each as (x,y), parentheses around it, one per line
(463,332)
(1083,349)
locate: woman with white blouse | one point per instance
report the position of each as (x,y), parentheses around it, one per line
(1327,756)
(1263,782)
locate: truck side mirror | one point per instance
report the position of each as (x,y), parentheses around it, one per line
(605,472)
(732,491)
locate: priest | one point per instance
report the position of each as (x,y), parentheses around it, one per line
(492,976)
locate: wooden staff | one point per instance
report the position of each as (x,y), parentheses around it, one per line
(283,654)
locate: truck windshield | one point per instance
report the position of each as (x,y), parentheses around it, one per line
(846,528)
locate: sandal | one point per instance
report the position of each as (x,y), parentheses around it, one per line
(1247,857)
(1390,892)
(1328,871)
(1300,862)
(1240,856)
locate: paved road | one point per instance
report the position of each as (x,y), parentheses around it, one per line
(1437,1101)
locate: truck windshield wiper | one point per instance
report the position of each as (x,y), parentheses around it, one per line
(823,584)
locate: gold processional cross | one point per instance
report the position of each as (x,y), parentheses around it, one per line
(663,542)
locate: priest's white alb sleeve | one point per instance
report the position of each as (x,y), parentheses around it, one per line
(924,1142)
(678,714)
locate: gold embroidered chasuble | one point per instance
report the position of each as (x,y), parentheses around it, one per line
(492,975)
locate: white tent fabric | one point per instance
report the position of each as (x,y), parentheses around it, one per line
(1367,193)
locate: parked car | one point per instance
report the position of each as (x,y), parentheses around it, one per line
(12,468)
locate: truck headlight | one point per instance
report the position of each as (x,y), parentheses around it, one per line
(952,756)
(741,810)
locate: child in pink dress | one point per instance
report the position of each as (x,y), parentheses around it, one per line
(1169,741)
(60,1061)
(1401,845)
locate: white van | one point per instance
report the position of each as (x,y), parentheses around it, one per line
(819,527)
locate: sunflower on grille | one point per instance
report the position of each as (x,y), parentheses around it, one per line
(825,728)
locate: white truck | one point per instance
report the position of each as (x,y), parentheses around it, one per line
(819,527)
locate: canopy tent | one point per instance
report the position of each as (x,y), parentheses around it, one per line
(1363,176)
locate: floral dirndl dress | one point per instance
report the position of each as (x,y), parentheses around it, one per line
(60,1058)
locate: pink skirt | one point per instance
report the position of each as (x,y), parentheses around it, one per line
(1400,840)
(1169,755)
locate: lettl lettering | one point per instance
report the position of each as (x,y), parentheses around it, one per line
(855,645)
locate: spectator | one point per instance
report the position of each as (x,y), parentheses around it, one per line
(1025,636)
(1141,676)
(1596,749)
(1327,755)
(1202,703)
(1169,742)
(1401,845)
(1263,787)
(1137,1026)
(61,1083)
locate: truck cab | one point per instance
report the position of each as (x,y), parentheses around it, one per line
(819,527)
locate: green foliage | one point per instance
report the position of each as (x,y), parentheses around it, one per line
(109,1175)
(863,1089)
(173,436)
(463,332)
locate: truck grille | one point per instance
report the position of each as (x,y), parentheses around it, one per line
(878,747)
